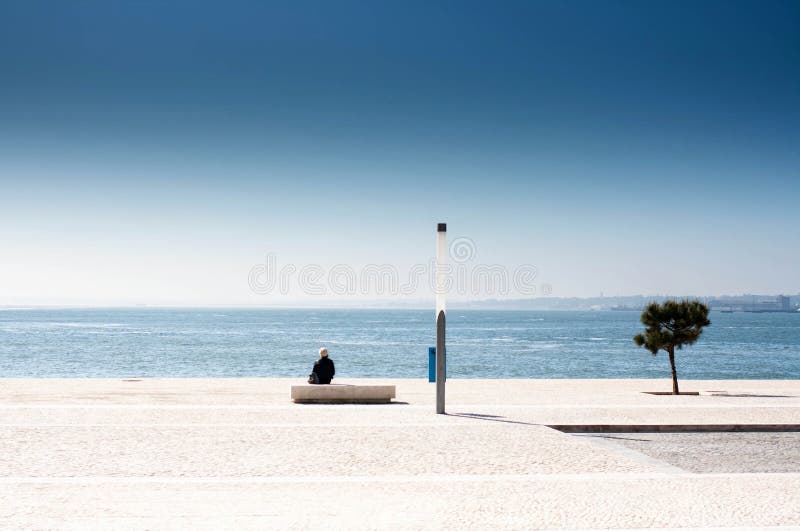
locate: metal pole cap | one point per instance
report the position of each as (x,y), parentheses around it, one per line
(442,227)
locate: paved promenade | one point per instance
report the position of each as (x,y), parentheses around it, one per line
(236,453)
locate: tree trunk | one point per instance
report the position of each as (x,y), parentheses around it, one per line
(671,352)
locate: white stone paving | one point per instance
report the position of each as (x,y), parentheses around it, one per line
(236,453)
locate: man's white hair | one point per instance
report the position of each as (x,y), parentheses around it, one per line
(323,351)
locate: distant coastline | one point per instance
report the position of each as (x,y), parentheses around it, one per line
(753,303)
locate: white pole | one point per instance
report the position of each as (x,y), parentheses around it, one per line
(441,277)
(441,265)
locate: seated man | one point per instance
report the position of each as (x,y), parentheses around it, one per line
(323,369)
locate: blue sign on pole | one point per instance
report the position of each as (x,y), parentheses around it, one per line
(431,364)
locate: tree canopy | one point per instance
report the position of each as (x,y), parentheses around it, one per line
(670,326)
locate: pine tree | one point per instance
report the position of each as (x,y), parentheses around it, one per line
(670,326)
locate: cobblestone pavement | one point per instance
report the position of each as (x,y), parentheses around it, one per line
(716,452)
(236,453)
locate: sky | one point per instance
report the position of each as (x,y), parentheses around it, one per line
(170,152)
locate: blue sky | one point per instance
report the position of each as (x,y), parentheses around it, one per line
(153,152)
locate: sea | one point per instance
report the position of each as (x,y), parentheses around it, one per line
(149,342)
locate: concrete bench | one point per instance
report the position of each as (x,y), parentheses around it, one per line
(342,394)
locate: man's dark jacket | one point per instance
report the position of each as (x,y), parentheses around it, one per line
(324,369)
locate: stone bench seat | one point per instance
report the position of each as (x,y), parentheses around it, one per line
(342,394)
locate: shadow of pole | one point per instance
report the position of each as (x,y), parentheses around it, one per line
(492,418)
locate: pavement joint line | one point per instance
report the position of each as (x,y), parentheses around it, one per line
(726,528)
(159,407)
(423,478)
(397,405)
(184,519)
(788,527)
(243,424)
(722,427)
(582,429)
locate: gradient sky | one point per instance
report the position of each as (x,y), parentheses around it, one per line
(153,152)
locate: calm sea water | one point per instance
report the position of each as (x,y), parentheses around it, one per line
(381,343)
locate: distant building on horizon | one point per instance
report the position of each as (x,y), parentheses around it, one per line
(752,303)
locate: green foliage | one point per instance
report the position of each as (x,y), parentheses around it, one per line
(672,325)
